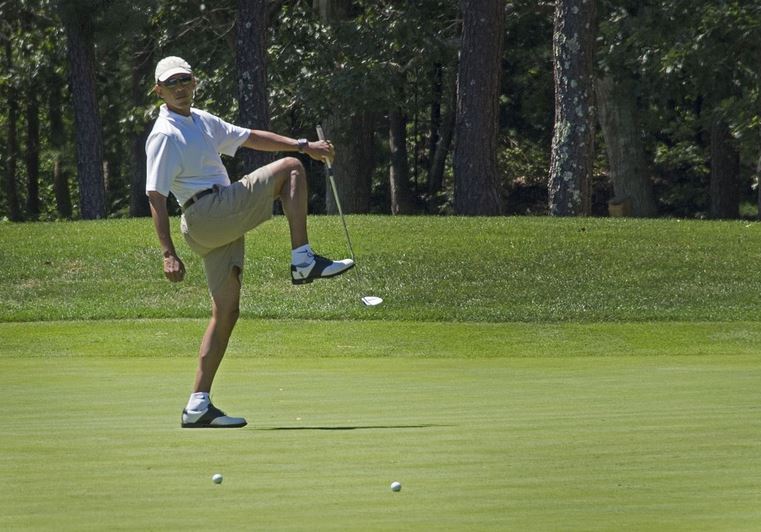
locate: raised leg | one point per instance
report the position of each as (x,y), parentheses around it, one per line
(291,188)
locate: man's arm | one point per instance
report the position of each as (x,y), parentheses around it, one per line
(268,141)
(174,269)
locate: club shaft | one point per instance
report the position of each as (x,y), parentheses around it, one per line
(329,166)
(367,300)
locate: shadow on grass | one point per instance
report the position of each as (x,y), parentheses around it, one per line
(358,427)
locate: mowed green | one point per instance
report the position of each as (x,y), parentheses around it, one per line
(487,426)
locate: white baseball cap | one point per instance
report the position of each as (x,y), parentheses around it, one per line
(169,66)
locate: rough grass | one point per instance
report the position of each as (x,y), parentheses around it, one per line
(429,269)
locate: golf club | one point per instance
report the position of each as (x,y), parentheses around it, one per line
(369,301)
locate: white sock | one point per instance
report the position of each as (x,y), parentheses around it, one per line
(198,402)
(302,256)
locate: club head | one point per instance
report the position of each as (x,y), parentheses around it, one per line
(372,301)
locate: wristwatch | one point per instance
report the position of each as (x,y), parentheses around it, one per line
(303,144)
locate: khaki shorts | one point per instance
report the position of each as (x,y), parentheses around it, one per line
(215,225)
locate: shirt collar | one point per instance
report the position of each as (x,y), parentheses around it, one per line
(164,112)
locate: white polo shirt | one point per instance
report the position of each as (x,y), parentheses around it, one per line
(183,152)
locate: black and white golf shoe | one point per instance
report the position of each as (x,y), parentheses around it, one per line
(211,418)
(320,268)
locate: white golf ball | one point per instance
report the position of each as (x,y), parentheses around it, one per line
(216,478)
(396,486)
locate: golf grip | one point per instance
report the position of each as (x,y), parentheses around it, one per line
(329,171)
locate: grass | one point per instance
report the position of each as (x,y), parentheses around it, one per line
(540,439)
(316,339)
(517,435)
(427,269)
(523,374)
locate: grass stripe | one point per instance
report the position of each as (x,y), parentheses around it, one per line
(380,339)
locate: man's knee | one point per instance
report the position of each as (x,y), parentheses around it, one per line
(226,312)
(294,163)
(286,166)
(290,175)
(227,299)
(232,314)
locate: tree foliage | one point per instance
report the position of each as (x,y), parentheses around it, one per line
(691,64)
(694,62)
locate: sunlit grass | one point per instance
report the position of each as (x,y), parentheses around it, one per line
(426,268)
(487,426)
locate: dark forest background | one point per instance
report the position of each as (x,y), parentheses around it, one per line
(477,107)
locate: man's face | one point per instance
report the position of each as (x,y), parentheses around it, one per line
(177,92)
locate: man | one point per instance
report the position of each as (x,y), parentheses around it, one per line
(183,157)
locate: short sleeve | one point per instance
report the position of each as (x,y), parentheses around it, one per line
(227,137)
(163,163)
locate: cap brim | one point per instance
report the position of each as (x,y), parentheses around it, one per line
(172,71)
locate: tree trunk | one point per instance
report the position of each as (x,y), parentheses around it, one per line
(142,76)
(758,186)
(251,63)
(477,184)
(56,134)
(758,161)
(725,172)
(332,9)
(89,136)
(437,94)
(32,155)
(10,187)
(353,136)
(354,139)
(573,138)
(629,171)
(399,171)
(439,158)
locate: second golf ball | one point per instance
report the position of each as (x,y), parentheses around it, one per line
(217,478)
(395,486)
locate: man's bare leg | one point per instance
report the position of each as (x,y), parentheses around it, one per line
(225,310)
(291,188)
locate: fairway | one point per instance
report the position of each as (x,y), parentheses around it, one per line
(504,438)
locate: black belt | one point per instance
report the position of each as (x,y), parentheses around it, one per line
(195,197)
